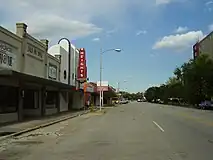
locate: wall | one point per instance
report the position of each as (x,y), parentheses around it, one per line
(63,101)
(34,112)
(78,100)
(35,57)
(9,117)
(53,68)
(51,111)
(10,47)
(76,66)
(10,44)
(206,45)
(62,50)
(97,102)
(72,66)
(59,51)
(65,54)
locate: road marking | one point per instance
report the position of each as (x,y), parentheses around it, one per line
(158,126)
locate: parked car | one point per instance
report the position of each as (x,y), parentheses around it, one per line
(139,100)
(206,105)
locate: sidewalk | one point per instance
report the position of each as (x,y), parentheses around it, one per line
(41,122)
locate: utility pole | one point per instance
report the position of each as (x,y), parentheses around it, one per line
(101,92)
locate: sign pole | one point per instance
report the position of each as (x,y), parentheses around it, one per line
(85,98)
(100,78)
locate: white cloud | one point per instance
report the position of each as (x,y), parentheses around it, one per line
(50,25)
(141,32)
(209,3)
(211,27)
(179,41)
(154,85)
(158,2)
(164,2)
(181,29)
(73,12)
(96,39)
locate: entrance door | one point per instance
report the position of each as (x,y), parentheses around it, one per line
(70,103)
(30,99)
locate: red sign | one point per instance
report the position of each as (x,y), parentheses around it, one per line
(82,67)
(196,50)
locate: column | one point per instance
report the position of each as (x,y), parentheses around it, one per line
(43,101)
(20,103)
(58,101)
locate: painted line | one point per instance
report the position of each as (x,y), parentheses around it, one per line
(158,126)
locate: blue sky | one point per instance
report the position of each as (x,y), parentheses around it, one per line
(155,36)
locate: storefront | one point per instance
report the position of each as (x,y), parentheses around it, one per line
(109,93)
(29,78)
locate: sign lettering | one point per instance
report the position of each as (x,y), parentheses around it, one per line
(5,48)
(34,51)
(6,57)
(82,73)
(52,72)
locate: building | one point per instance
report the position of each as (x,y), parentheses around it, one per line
(68,54)
(91,93)
(204,46)
(34,83)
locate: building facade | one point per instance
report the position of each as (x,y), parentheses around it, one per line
(68,54)
(34,83)
(204,46)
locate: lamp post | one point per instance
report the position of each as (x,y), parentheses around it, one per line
(69,57)
(101,56)
(124,81)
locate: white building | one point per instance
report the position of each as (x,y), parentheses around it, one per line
(69,56)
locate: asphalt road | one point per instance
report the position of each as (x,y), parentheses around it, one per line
(137,131)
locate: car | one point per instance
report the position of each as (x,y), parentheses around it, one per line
(205,105)
(124,101)
(139,100)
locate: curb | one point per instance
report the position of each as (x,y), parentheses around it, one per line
(41,126)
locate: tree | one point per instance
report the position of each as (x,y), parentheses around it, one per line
(132,96)
(193,82)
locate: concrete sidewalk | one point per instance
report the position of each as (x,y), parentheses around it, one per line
(23,127)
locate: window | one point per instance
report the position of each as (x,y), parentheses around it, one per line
(65,74)
(8,99)
(51,99)
(31,99)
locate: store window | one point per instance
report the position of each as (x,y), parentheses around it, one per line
(31,99)
(51,99)
(8,99)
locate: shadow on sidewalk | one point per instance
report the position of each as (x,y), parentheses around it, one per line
(9,128)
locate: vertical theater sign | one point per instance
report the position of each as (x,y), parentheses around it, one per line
(82,67)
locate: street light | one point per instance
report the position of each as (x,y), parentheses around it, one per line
(101,55)
(120,95)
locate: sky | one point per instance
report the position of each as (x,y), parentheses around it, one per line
(155,36)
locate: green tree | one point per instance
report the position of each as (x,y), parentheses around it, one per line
(192,82)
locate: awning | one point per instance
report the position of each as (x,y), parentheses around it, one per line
(34,79)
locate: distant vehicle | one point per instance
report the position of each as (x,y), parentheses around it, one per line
(124,101)
(139,100)
(206,105)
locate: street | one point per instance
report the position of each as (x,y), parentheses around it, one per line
(134,131)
